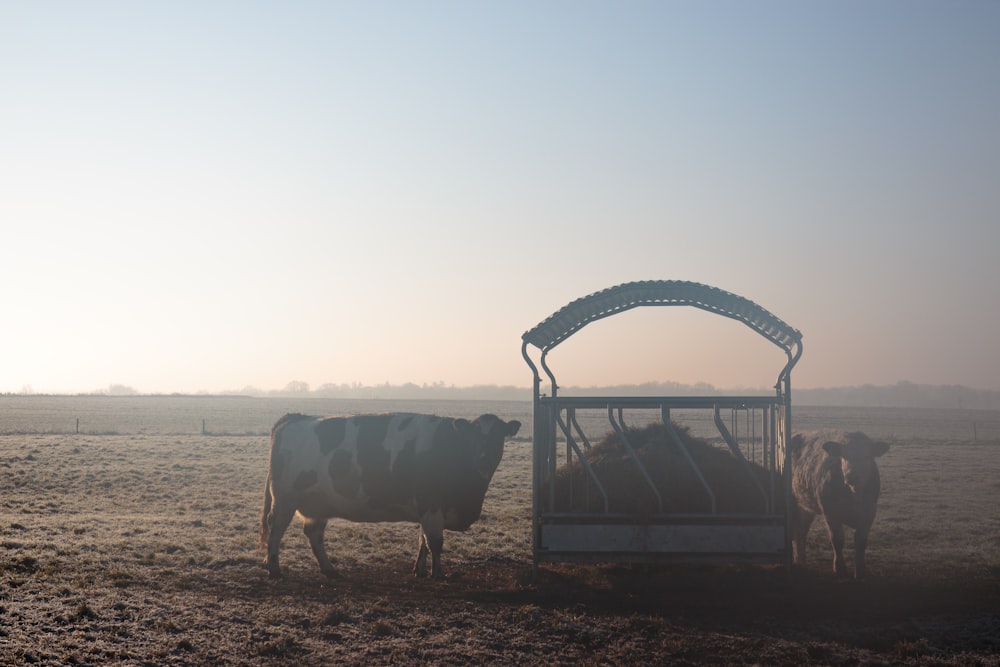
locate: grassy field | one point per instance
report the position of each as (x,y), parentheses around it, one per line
(142,549)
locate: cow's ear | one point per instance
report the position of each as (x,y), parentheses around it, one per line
(832,448)
(879,448)
(461,424)
(512,428)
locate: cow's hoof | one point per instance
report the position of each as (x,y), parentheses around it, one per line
(329,574)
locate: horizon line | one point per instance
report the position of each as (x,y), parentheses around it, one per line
(330,389)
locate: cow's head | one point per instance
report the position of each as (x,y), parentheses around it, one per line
(488,433)
(857,459)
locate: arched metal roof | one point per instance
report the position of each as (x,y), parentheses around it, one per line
(574,316)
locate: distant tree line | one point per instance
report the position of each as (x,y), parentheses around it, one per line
(902,395)
(899,395)
(433,391)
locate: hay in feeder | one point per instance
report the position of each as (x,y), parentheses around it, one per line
(679,487)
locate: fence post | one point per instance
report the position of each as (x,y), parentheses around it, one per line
(78,426)
(203,427)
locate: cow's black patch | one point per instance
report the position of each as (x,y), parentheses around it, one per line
(373,458)
(279,459)
(305,480)
(330,433)
(446,477)
(404,474)
(340,464)
(345,482)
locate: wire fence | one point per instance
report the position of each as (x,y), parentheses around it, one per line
(247,416)
(209,415)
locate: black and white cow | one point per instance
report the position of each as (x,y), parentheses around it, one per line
(834,474)
(368,468)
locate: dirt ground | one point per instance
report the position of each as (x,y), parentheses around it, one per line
(490,612)
(142,550)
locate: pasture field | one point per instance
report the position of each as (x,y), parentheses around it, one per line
(137,545)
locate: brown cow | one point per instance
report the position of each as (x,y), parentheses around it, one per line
(834,474)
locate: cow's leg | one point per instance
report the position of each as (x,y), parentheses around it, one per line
(801,523)
(279,519)
(432,527)
(836,531)
(420,564)
(314,528)
(860,544)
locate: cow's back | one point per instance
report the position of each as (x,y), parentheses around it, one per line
(368,467)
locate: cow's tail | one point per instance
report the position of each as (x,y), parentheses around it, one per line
(265,514)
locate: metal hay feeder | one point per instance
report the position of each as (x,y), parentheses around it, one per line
(569,529)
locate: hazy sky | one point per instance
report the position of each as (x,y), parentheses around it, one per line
(214,195)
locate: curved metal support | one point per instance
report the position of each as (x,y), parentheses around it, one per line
(784,384)
(552,378)
(576,315)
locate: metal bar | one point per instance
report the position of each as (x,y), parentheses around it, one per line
(566,434)
(687,456)
(579,431)
(550,461)
(628,447)
(583,462)
(582,517)
(548,371)
(654,402)
(735,449)
(538,424)
(538,449)
(770,453)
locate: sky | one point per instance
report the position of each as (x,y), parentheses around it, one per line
(209,196)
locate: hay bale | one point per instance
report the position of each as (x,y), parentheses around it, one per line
(678,486)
